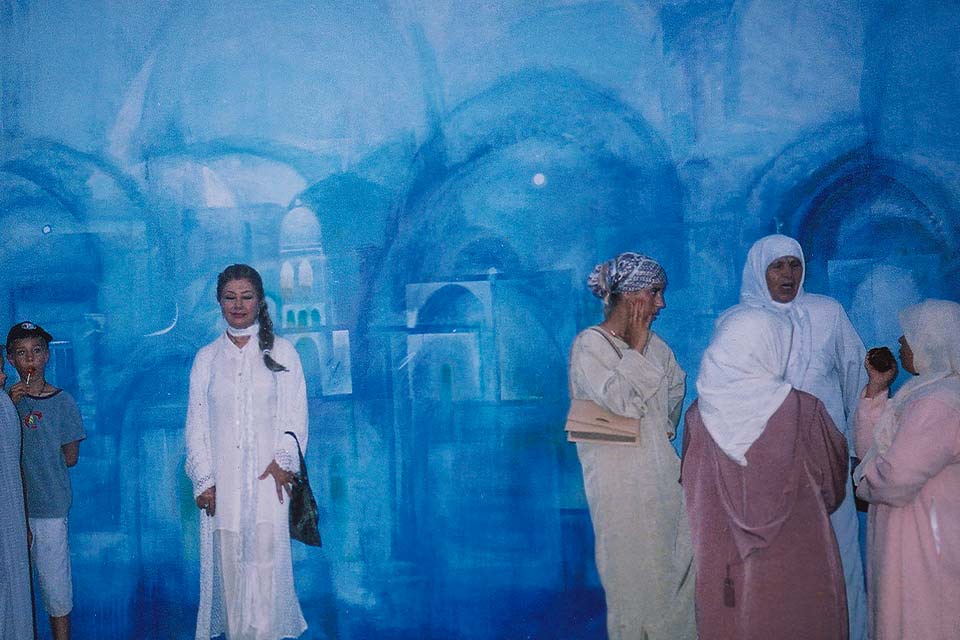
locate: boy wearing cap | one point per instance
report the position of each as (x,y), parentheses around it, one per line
(52,431)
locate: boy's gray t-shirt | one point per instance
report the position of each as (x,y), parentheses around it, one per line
(48,424)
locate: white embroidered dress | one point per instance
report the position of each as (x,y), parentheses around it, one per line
(237,414)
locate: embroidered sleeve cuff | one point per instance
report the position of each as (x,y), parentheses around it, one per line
(199,475)
(202,484)
(286,460)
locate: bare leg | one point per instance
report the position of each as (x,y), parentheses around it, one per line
(60,627)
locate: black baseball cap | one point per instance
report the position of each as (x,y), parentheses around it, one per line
(27,330)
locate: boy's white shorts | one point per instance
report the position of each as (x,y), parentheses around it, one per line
(50,554)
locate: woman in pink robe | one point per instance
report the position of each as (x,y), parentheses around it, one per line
(763,466)
(910,474)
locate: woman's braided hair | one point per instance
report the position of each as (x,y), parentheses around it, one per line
(265,336)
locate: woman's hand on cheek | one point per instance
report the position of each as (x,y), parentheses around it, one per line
(641,315)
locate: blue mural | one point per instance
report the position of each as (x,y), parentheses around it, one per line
(424,187)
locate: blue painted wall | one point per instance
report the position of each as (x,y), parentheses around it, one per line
(424,187)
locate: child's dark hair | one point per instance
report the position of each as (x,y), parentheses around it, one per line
(265,336)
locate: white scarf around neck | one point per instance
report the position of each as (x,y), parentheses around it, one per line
(252,330)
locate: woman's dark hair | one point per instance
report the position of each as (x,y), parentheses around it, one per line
(265,336)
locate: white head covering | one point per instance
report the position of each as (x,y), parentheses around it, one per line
(932,330)
(754,292)
(741,381)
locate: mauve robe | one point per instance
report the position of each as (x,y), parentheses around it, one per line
(913,583)
(773,530)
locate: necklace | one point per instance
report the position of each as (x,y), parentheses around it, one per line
(613,333)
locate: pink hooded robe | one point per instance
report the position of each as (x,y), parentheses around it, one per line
(911,477)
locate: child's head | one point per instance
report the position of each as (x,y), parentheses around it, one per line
(27,348)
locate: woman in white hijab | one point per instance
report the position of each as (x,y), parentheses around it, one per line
(911,476)
(826,357)
(763,466)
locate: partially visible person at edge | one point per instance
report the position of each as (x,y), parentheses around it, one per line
(826,357)
(52,430)
(910,475)
(246,390)
(643,550)
(16,619)
(763,466)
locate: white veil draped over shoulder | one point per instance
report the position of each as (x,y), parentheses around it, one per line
(741,380)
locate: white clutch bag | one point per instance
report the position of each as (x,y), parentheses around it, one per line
(588,422)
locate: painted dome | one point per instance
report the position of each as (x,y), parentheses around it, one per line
(287,75)
(300,231)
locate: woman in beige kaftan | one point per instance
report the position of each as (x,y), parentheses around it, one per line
(643,550)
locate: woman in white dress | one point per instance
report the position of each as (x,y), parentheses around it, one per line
(643,550)
(246,391)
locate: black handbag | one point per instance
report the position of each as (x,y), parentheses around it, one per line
(304,516)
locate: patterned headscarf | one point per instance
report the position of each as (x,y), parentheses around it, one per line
(627,273)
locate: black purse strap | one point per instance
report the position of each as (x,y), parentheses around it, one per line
(303,464)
